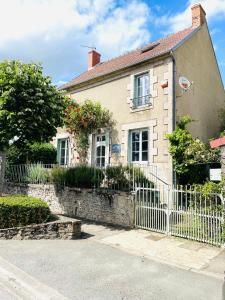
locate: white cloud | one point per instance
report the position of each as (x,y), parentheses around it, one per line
(123,30)
(51,31)
(215,8)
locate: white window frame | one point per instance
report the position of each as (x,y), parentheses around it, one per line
(66,158)
(145,98)
(100,143)
(130,149)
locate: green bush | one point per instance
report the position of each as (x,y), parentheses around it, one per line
(37,174)
(79,176)
(21,210)
(45,153)
(83,177)
(57,176)
(123,177)
(32,153)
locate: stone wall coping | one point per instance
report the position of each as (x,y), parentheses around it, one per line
(75,221)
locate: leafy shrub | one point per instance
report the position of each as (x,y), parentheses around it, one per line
(190,155)
(57,176)
(37,174)
(123,177)
(21,210)
(80,176)
(116,177)
(32,153)
(45,153)
(83,177)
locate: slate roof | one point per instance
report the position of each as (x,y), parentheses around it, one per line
(158,48)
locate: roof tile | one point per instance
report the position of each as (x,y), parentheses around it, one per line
(160,47)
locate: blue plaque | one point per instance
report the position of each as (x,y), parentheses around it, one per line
(116,148)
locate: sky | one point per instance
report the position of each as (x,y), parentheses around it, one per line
(53,32)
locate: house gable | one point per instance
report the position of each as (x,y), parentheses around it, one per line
(196,60)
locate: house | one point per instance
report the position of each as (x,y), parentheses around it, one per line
(141,89)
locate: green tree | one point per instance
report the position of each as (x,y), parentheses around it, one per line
(31,108)
(190,155)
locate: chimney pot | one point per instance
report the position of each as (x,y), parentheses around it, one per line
(93,59)
(198,15)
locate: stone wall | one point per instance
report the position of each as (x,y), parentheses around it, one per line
(115,208)
(65,230)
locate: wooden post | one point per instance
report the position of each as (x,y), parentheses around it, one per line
(2,171)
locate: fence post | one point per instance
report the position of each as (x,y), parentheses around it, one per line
(168,210)
(2,171)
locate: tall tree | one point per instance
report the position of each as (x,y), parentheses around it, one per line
(31,107)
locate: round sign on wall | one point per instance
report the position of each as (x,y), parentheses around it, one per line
(184,83)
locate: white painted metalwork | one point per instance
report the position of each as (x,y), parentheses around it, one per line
(182,212)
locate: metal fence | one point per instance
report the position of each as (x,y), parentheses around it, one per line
(181,212)
(115,177)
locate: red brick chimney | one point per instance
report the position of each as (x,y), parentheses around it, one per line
(198,15)
(93,59)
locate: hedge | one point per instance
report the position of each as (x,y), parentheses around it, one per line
(22,210)
(44,153)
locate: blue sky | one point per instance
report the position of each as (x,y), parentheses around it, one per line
(52,31)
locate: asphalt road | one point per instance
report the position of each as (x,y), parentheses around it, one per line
(87,269)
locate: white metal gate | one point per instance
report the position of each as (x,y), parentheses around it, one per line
(184,213)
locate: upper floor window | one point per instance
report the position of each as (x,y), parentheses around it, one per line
(141,90)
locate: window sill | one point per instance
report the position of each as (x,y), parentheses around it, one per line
(145,163)
(141,108)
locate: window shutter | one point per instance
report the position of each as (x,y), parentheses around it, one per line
(58,150)
(133,87)
(90,149)
(129,149)
(107,140)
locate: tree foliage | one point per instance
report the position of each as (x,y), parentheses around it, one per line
(30,106)
(44,153)
(83,120)
(187,151)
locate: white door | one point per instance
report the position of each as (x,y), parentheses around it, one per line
(101,150)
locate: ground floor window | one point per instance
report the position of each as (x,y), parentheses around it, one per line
(139,145)
(63,151)
(100,150)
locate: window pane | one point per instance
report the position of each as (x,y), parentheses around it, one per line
(98,161)
(63,143)
(103,150)
(136,146)
(103,138)
(135,136)
(144,146)
(144,156)
(135,156)
(98,152)
(102,162)
(144,135)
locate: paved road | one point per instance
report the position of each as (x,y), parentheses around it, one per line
(86,269)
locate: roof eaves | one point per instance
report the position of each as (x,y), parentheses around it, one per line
(187,37)
(112,72)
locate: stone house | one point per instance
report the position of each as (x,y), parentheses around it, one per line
(141,89)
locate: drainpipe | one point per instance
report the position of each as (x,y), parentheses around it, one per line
(174,106)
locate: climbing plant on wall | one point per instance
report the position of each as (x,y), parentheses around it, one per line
(85,119)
